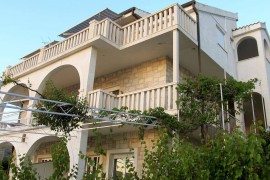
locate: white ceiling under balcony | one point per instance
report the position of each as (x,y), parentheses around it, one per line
(111,59)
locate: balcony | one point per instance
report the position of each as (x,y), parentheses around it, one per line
(168,19)
(161,96)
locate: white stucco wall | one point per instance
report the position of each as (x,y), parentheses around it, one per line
(210,19)
(256,67)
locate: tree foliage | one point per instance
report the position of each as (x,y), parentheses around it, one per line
(60,161)
(199,100)
(3,171)
(24,170)
(230,156)
(61,123)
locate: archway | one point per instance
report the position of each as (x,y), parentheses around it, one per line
(254,115)
(40,154)
(10,115)
(65,77)
(7,150)
(247,48)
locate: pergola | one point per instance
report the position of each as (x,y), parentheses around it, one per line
(99,118)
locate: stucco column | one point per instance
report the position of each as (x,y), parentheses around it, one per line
(2,108)
(240,121)
(2,151)
(89,69)
(76,145)
(30,104)
(176,55)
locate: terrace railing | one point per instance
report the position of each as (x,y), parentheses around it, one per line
(147,27)
(162,96)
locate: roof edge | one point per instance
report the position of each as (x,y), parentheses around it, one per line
(216,11)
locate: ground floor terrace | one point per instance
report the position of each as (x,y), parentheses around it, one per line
(112,147)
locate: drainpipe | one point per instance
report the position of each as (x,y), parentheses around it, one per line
(198,36)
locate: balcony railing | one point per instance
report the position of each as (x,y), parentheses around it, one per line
(162,96)
(147,27)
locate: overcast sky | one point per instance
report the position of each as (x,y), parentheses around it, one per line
(26,25)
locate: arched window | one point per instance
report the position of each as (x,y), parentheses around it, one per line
(267,51)
(247,49)
(257,110)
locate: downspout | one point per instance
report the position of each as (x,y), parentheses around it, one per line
(198,36)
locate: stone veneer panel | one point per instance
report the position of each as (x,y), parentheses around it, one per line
(120,141)
(149,74)
(44,149)
(145,75)
(169,72)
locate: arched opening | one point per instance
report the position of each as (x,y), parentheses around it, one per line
(248,48)
(254,116)
(267,51)
(40,154)
(7,151)
(65,77)
(12,115)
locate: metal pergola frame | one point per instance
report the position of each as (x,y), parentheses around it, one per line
(100,118)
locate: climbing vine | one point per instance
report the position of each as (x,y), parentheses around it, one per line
(173,156)
(199,101)
(73,106)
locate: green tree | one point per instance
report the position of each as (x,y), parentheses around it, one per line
(60,159)
(24,170)
(199,101)
(60,123)
(3,172)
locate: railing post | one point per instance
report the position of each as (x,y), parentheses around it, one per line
(41,55)
(146,24)
(176,14)
(99,99)
(142,102)
(92,28)
(8,71)
(106,28)
(175,96)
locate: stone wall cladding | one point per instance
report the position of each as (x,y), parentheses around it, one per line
(123,141)
(149,74)
(118,141)
(43,149)
(169,72)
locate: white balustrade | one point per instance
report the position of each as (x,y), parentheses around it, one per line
(24,65)
(109,30)
(102,99)
(162,96)
(67,44)
(173,16)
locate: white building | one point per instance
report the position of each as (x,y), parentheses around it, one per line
(135,59)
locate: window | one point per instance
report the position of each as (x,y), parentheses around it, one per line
(120,162)
(247,49)
(220,37)
(114,90)
(44,160)
(267,51)
(91,164)
(121,165)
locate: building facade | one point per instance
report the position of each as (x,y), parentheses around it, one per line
(135,59)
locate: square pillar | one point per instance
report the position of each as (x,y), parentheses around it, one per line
(77,145)
(176,55)
(240,119)
(88,66)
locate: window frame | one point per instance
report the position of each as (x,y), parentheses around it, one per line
(86,169)
(220,31)
(118,152)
